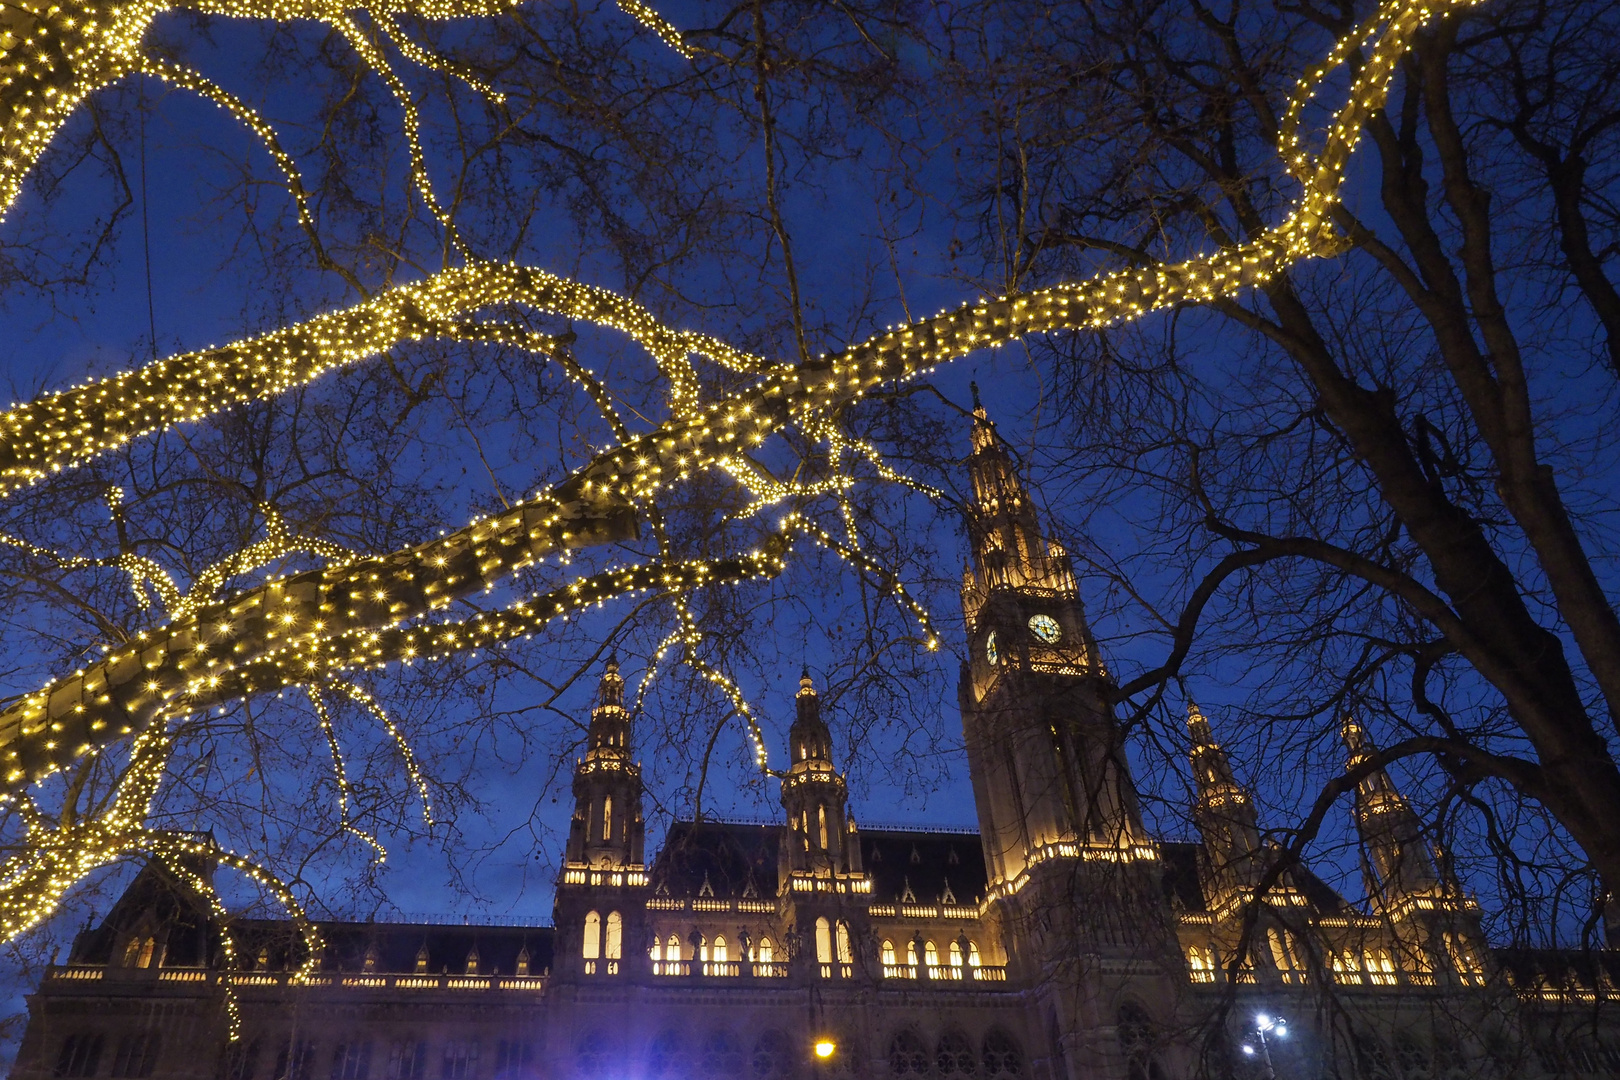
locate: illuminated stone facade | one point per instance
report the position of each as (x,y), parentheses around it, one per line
(1060,941)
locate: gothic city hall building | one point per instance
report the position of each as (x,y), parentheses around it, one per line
(1061,941)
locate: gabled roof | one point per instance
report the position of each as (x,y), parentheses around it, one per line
(936,867)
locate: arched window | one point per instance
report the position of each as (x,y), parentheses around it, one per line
(656,950)
(888,952)
(824,948)
(908,1056)
(1002,1059)
(719,952)
(911,952)
(823,815)
(1380,968)
(669,1057)
(703,949)
(846,955)
(773,1056)
(766,950)
(932,953)
(956,954)
(1346,967)
(722,1055)
(1200,964)
(615,936)
(672,951)
(593,936)
(1285,954)
(954,1058)
(1469,969)
(973,954)
(607,817)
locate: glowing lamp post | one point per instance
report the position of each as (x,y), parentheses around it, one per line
(1274,1026)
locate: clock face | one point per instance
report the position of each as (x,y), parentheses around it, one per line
(1045,628)
(990,653)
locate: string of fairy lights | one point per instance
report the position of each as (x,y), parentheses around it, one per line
(313,630)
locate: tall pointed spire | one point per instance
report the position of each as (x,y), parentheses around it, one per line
(815,796)
(1400,864)
(607,829)
(1225,816)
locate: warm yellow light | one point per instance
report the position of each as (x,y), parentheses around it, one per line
(825,1048)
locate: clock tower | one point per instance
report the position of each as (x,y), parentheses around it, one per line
(1048,768)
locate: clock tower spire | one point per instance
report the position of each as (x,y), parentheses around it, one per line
(1049,774)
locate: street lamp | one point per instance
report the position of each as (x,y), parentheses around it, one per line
(1264,1025)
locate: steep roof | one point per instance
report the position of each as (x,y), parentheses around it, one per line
(701,858)
(936,867)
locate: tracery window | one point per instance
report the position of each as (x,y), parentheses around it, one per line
(719,953)
(956,954)
(460,1060)
(295,1061)
(614,946)
(823,815)
(1138,1039)
(80,1055)
(1285,954)
(767,951)
(1002,1059)
(136,1055)
(846,955)
(673,950)
(351,1061)
(954,1058)
(1346,968)
(932,952)
(911,953)
(607,817)
(407,1060)
(668,1056)
(773,1057)
(1380,967)
(722,1055)
(888,952)
(973,954)
(908,1056)
(593,936)
(241,1061)
(513,1059)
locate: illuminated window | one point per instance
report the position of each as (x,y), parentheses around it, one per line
(720,952)
(615,936)
(607,818)
(1380,968)
(932,953)
(911,952)
(703,949)
(973,954)
(888,952)
(956,954)
(846,955)
(824,948)
(1346,968)
(824,844)
(1463,958)
(1201,964)
(766,953)
(673,950)
(593,936)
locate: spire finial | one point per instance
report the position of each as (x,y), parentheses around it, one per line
(1196,722)
(806,686)
(974,388)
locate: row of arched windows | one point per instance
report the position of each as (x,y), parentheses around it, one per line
(1373,965)
(931,954)
(716,949)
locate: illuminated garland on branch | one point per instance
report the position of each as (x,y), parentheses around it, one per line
(45,730)
(307,629)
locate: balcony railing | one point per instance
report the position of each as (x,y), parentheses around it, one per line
(945,973)
(357,980)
